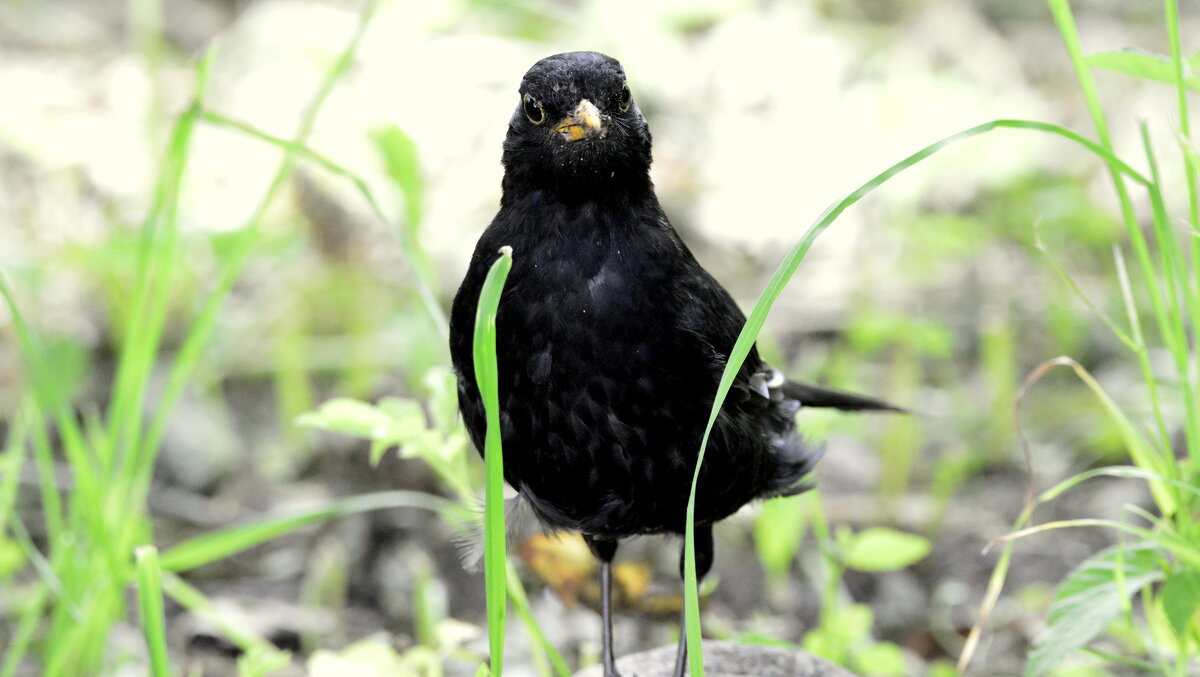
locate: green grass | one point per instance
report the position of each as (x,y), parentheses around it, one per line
(99,534)
(150,598)
(99,537)
(1169,281)
(1165,286)
(93,528)
(775,287)
(495,555)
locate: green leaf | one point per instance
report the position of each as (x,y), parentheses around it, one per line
(262,661)
(883,549)
(942,668)
(495,562)
(881,659)
(1089,599)
(840,629)
(351,417)
(1181,600)
(392,422)
(400,155)
(778,531)
(367,657)
(442,385)
(1140,64)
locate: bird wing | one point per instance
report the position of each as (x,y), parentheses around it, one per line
(710,315)
(714,316)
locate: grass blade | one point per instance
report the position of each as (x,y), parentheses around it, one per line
(1171,9)
(150,599)
(198,335)
(775,286)
(520,602)
(11,462)
(494,560)
(26,628)
(1122,471)
(423,278)
(232,628)
(220,544)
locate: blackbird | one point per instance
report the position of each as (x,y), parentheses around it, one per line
(611,338)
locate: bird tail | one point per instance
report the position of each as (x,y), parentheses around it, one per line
(816,396)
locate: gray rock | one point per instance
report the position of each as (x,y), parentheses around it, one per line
(727,659)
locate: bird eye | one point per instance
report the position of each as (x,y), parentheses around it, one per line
(626,97)
(533,109)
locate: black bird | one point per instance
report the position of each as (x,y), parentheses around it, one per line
(611,338)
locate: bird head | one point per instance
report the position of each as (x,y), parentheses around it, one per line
(577,126)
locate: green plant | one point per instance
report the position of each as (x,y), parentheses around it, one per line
(494,556)
(1100,596)
(778,282)
(843,633)
(154,624)
(93,529)
(97,523)
(1171,285)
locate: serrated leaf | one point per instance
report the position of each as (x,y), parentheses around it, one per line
(1181,600)
(1141,64)
(443,396)
(392,422)
(1089,599)
(351,417)
(402,409)
(883,549)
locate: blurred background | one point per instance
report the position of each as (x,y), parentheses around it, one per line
(939,291)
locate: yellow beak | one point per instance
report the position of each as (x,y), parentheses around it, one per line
(585,120)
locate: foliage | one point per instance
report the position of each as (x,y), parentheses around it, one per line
(1098,596)
(71,587)
(495,554)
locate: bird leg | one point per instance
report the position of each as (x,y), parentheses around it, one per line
(681,654)
(704,561)
(605,551)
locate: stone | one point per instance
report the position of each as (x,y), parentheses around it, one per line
(727,659)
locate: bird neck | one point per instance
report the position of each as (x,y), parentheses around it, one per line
(571,213)
(619,189)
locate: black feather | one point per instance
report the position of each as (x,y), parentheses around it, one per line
(816,396)
(612,338)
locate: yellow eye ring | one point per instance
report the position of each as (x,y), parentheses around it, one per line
(626,98)
(533,109)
